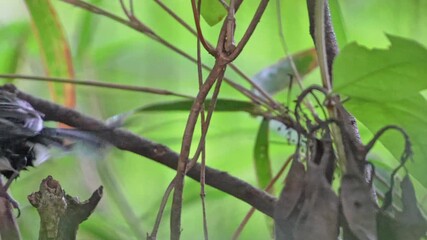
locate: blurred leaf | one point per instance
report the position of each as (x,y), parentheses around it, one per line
(95,228)
(54,49)
(12,45)
(338,23)
(212,11)
(262,162)
(408,224)
(261,156)
(277,77)
(384,88)
(222,105)
(86,28)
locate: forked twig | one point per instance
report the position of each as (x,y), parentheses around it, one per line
(150,33)
(200,37)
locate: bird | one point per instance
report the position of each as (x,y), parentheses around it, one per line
(23,134)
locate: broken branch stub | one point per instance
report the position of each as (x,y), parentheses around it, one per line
(61,214)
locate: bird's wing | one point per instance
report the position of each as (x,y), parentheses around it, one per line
(18,118)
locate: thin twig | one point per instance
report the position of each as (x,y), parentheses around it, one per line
(176,17)
(162,207)
(319,34)
(225,4)
(185,149)
(95,84)
(238,87)
(203,142)
(249,31)
(203,195)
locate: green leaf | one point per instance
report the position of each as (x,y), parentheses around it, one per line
(261,156)
(338,22)
(382,74)
(277,77)
(54,48)
(212,11)
(384,88)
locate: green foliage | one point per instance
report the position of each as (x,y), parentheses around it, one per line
(277,77)
(261,155)
(54,48)
(12,46)
(212,11)
(383,86)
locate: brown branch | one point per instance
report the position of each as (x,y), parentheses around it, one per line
(336,110)
(203,144)
(128,141)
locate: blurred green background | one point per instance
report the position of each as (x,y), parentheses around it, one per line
(106,51)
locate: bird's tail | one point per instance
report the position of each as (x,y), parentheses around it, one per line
(60,136)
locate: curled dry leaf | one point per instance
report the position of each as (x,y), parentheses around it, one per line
(308,207)
(358,207)
(357,201)
(319,215)
(290,202)
(409,224)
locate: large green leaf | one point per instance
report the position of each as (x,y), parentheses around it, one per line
(278,76)
(382,74)
(54,48)
(338,22)
(384,88)
(364,23)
